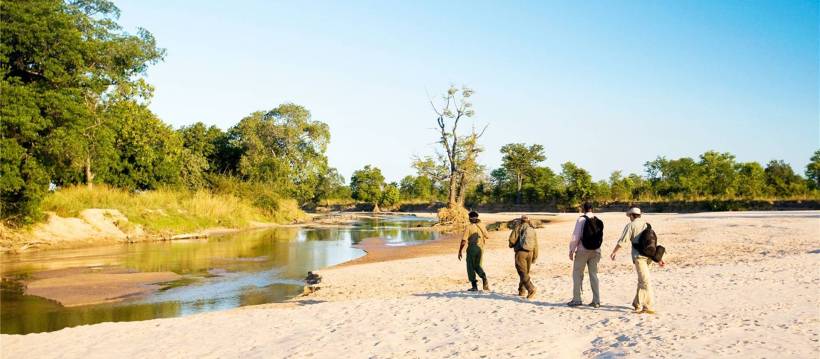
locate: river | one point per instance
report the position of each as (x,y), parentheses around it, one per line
(221,272)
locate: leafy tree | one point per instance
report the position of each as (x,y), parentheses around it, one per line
(782,180)
(717,172)
(64,64)
(391,195)
(416,187)
(577,183)
(283,147)
(751,180)
(542,186)
(813,171)
(331,185)
(520,161)
(367,185)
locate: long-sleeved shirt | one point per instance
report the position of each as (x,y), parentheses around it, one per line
(575,243)
(632,233)
(475,234)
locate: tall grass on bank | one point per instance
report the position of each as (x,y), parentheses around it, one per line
(170,210)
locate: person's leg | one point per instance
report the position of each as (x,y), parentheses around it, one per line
(636,303)
(592,268)
(479,268)
(528,282)
(578,276)
(521,268)
(470,265)
(644,294)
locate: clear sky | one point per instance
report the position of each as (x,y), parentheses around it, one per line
(606,84)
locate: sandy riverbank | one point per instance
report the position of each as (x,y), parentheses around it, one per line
(737,284)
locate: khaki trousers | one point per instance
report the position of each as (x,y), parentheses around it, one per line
(643,296)
(523,261)
(588,259)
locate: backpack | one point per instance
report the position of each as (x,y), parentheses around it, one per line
(526,239)
(648,244)
(593,234)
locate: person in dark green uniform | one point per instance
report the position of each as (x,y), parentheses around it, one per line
(474,237)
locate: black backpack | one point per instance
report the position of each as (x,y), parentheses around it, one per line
(593,234)
(648,244)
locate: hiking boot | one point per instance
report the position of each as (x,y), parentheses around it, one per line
(474,287)
(574,303)
(485,285)
(648,311)
(595,305)
(532,293)
(522,293)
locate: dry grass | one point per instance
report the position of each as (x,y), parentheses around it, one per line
(171,210)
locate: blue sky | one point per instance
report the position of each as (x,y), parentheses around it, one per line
(608,84)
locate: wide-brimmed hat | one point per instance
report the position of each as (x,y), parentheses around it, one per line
(634,210)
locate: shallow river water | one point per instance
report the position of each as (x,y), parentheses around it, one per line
(221,272)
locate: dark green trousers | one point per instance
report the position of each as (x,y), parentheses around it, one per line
(474,254)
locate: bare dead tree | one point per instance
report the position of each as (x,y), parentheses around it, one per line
(456,106)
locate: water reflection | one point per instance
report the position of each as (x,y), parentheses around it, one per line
(219,273)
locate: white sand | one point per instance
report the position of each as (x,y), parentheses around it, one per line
(737,285)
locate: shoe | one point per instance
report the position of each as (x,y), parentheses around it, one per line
(595,305)
(474,288)
(648,311)
(574,303)
(636,310)
(532,294)
(522,293)
(484,284)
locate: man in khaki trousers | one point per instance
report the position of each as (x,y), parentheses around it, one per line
(583,257)
(643,301)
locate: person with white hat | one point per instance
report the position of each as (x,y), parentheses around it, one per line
(631,235)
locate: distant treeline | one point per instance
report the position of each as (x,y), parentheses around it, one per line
(715,181)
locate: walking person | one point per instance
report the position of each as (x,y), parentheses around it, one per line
(474,237)
(524,241)
(585,252)
(643,301)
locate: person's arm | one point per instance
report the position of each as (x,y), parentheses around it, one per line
(463,241)
(576,237)
(535,249)
(514,236)
(483,231)
(625,236)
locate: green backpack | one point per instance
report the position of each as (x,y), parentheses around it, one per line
(527,239)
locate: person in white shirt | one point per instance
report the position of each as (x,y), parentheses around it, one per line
(583,257)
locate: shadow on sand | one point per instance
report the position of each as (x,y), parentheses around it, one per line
(514,298)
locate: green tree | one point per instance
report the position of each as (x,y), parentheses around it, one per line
(367,185)
(331,186)
(813,171)
(751,180)
(283,147)
(391,195)
(578,185)
(717,174)
(63,64)
(782,181)
(542,186)
(520,161)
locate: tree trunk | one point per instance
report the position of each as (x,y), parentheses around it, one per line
(376,208)
(452,200)
(460,193)
(89,177)
(519,179)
